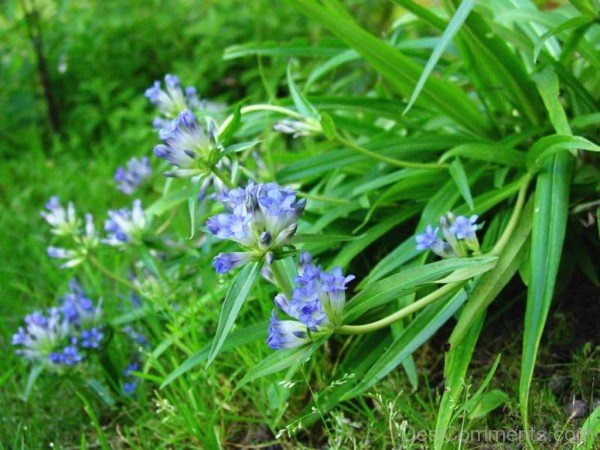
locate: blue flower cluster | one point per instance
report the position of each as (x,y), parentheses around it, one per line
(64,223)
(459,233)
(124,226)
(131,383)
(261,218)
(173,100)
(62,335)
(317,304)
(136,171)
(190,147)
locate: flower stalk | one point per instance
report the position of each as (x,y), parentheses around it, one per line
(400,314)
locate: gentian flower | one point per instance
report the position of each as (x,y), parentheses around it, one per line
(78,309)
(130,385)
(308,126)
(193,149)
(66,224)
(64,221)
(317,304)
(43,334)
(173,100)
(124,226)
(430,241)
(92,337)
(128,179)
(261,218)
(459,234)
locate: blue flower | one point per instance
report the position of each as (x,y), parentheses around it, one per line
(262,218)
(43,333)
(136,336)
(131,383)
(286,333)
(64,221)
(174,100)
(68,356)
(125,226)
(459,234)
(77,308)
(190,147)
(128,179)
(92,338)
(299,128)
(464,227)
(317,304)
(224,262)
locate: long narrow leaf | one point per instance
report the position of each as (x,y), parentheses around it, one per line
(235,298)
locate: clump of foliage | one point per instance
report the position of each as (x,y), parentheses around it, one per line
(436,165)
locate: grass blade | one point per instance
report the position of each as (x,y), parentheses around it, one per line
(235,298)
(457,20)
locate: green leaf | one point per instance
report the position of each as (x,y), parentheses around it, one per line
(101,391)
(300,101)
(489,285)
(549,227)
(235,298)
(455,371)
(399,71)
(416,333)
(487,403)
(87,407)
(34,374)
(455,23)
(574,22)
(308,238)
(195,187)
(280,360)
(462,182)
(236,339)
(237,148)
(405,282)
(551,145)
(489,152)
(167,203)
(590,429)
(469,272)
(328,126)
(227,133)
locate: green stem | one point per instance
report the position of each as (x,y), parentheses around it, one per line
(413,307)
(391,161)
(98,265)
(281,278)
(261,107)
(514,218)
(221,176)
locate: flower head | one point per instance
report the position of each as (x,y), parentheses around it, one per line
(459,234)
(136,171)
(261,218)
(173,99)
(189,146)
(224,262)
(64,221)
(286,333)
(299,128)
(125,226)
(78,309)
(317,304)
(130,385)
(44,332)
